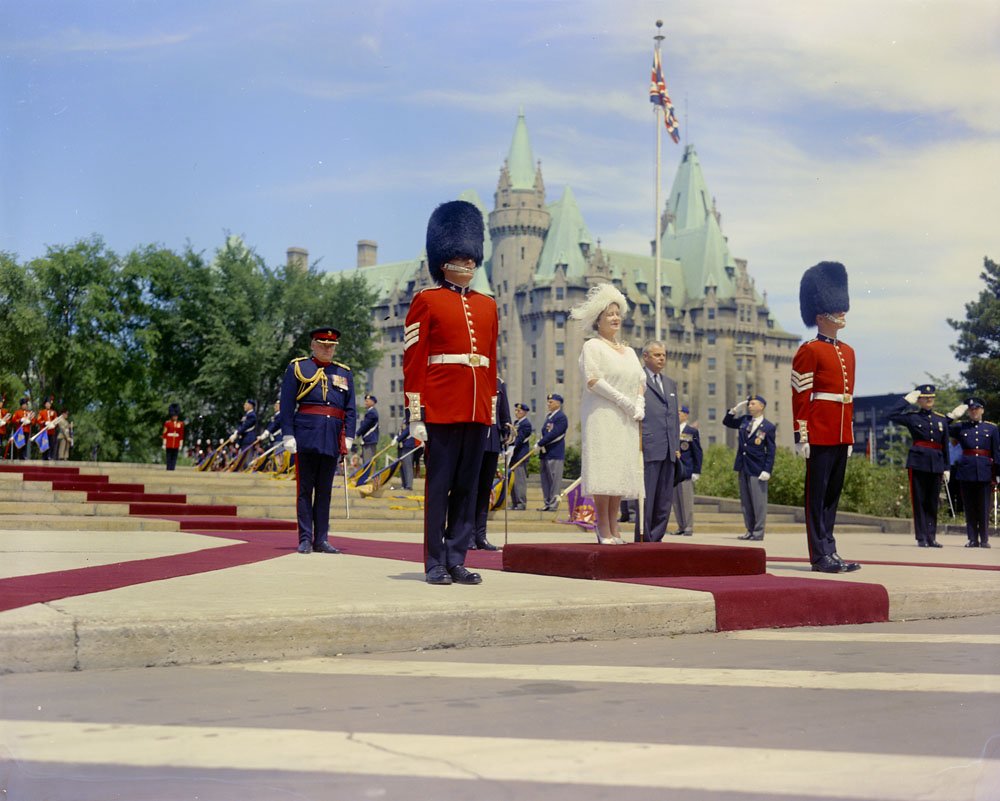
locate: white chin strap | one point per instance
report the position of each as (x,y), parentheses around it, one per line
(834,318)
(459,269)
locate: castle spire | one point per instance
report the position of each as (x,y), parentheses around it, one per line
(520,163)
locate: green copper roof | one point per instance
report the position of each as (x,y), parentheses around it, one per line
(520,162)
(567,231)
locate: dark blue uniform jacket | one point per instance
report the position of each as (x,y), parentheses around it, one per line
(925,426)
(553,441)
(754,452)
(980,436)
(332,386)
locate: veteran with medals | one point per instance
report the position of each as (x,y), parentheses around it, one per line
(755,451)
(316,410)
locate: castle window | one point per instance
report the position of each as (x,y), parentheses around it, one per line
(559,293)
(739,390)
(392,411)
(711,388)
(711,414)
(522,253)
(670,311)
(393,360)
(711,440)
(667,291)
(534,351)
(711,362)
(711,314)
(711,337)
(560,321)
(504,283)
(739,362)
(559,376)
(777,406)
(560,348)
(684,361)
(534,325)
(505,310)
(392,385)
(687,337)
(684,391)
(533,381)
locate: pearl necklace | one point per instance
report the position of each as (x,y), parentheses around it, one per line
(618,346)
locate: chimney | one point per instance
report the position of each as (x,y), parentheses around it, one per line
(367,253)
(297,258)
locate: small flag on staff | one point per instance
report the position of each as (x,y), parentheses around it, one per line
(658,95)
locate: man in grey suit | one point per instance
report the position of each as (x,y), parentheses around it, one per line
(660,443)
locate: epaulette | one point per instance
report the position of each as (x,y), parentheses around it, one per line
(339,364)
(300,359)
(939,414)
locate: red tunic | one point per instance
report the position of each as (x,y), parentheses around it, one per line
(449,356)
(46,416)
(23,418)
(826,367)
(173,434)
(4,415)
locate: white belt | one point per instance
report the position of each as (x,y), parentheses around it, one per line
(471,359)
(832,396)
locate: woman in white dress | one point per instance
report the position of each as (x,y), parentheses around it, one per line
(614,400)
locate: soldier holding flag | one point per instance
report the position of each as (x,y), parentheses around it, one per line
(22,419)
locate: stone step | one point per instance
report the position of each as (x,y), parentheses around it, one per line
(28,509)
(49,522)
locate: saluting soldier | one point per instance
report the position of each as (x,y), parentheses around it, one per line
(551,446)
(173,435)
(977,469)
(926,462)
(450,379)
(316,411)
(823,408)
(755,449)
(368,430)
(520,448)
(691,459)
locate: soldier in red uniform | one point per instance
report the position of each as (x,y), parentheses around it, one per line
(450,381)
(47,420)
(173,435)
(4,418)
(823,408)
(22,418)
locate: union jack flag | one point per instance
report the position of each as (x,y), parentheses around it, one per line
(658,95)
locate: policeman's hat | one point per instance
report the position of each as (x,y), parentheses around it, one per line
(174,409)
(926,391)
(252,402)
(756,398)
(974,402)
(455,229)
(554,396)
(522,406)
(685,409)
(372,398)
(326,334)
(823,289)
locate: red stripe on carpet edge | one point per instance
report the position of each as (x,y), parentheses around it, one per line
(893,564)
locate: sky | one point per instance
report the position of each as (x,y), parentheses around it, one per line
(861,131)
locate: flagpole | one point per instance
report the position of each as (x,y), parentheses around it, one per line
(659,135)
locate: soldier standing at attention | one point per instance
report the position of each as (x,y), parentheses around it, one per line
(977,469)
(927,461)
(551,446)
(368,430)
(47,420)
(246,434)
(691,458)
(317,409)
(823,408)
(450,380)
(173,435)
(518,450)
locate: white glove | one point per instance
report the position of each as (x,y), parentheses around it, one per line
(289,444)
(348,442)
(911,396)
(850,450)
(695,476)
(509,454)
(764,476)
(640,408)
(739,409)
(234,435)
(947,476)
(266,436)
(958,411)
(49,426)
(418,431)
(802,449)
(164,445)
(605,390)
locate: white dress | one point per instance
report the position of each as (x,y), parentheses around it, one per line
(611,463)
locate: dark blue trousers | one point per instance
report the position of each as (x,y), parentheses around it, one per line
(825,470)
(925,493)
(314,483)
(454,458)
(487,475)
(658,478)
(976,497)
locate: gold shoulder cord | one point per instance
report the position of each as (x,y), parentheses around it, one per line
(307,384)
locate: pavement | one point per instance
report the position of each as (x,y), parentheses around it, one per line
(301,606)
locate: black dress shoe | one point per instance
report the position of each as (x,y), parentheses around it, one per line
(847,567)
(934,544)
(921,544)
(984,544)
(325,547)
(462,576)
(305,547)
(486,545)
(827,564)
(438,575)
(972,544)
(749,536)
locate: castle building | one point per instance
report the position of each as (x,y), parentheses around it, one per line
(540,258)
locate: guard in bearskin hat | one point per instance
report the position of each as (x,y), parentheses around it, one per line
(173,435)
(450,380)
(823,408)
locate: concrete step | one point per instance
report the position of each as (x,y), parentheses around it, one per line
(48,522)
(28,509)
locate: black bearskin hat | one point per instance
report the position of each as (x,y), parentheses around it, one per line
(174,408)
(455,229)
(823,289)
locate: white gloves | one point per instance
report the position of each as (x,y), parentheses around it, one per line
(958,411)
(233,435)
(739,409)
(911,396)
(695,476)
(509,454)
(266,436)
(289,444)
(418,430)
(164,445)
(850,450)
(947,476)
(605,390)
(802,449)
(640,408)
(348,442)
(764,476)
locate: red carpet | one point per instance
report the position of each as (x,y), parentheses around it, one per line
(765,601)
(593,561)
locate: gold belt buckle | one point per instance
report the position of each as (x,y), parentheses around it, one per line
(847,398)
(474,359)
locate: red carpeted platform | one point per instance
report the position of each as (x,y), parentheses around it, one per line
(208,524)
(763,601)
(100,496)
(593,561)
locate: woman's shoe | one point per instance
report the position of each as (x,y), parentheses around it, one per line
(605,540)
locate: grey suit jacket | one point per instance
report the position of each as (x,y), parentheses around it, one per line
(661,430)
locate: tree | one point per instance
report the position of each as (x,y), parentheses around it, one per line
(979,338)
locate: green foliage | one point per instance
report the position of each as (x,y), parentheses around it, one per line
(717,475)
(979,338)
(788,479)
(880,490)
(571,466)
(116,339)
